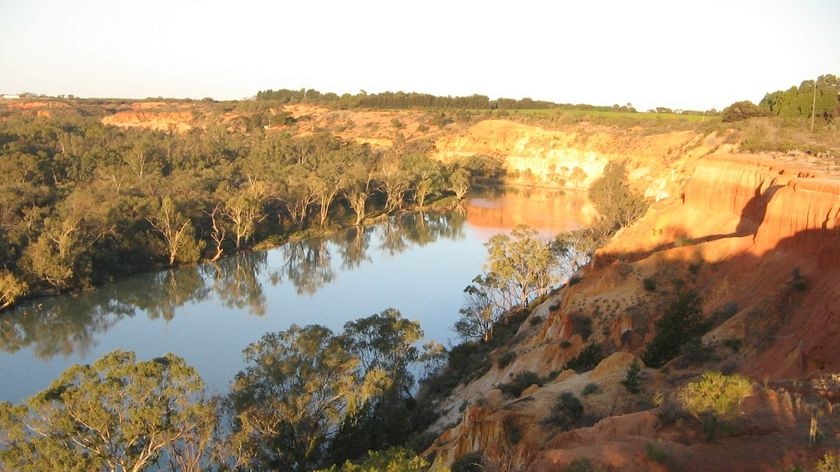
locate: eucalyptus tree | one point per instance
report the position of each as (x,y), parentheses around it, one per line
(117,414)
(296,385)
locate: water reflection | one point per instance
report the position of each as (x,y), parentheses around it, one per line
(551,210)
(194,311)
(70,324)
(236,281)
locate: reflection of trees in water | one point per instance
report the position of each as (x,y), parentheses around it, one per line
(236,280)
(308,265)
(169,289)
(62,325)
(70,324)
(353,245)
(392,236)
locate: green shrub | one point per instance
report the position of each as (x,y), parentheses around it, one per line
(505,359)
(830,462)
(681,323)
(655,454)
(535,320)
(512,429)
(715,399)
(565,344)
(590,389)
(566,412)
(582,325)
(580,465)
(520,382)
(631,380)
(649,284)
(587,359)
(741,111)
(798,282)
(395,459)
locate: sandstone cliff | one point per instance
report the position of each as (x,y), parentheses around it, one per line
(758,237)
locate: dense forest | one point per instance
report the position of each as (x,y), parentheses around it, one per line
(81,203)
(794,102)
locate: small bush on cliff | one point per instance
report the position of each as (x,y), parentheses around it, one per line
(632,380)
(590,389)
(505,359)
(389,460)
(649,284)
(798,282)
(566,413)
(681,323)
(715,399)
(587,359)
(512,429)
(829,463)
(582,325)
(581,464)
(519,383)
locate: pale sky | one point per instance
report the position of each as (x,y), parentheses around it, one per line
(679,54)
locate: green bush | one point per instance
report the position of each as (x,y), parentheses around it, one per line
(587,359)
(715,399)
(580,465)
(582,325)
(512,429)
(741,111)
(830,462)
(655,454)
(520,382)
(590,389)
(390,460)
(631,380)
(798,282)
(681,323)
(649,284)
(505,359)
(566,412)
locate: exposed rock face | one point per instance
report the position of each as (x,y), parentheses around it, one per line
(575,156)
(758,238)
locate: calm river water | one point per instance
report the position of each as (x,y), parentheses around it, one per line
(418,263)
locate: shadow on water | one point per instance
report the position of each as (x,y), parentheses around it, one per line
(70,324)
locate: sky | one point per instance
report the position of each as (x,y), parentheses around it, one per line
(685,54)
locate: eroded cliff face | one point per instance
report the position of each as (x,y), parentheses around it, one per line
(575,156)
(758,238)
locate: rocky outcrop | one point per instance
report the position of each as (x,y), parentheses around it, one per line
(758,237)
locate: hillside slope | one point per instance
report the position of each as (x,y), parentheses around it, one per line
(758,238)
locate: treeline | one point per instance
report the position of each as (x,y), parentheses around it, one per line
(307,398)
(402,100)
(798,102)
(81,203)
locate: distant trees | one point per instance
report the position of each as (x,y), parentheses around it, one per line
(741,111)
(82,202)
(799,101)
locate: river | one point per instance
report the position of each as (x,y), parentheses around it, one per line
(418,263)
